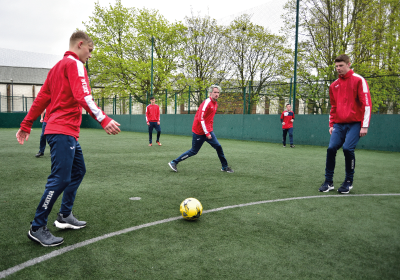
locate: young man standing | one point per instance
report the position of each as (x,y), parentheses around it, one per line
(67,90)
(203,131)
(348,121)
(287,119)
(153,120)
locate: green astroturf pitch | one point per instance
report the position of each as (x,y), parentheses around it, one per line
(317,236)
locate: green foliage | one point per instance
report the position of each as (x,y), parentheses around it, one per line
(123,45)
(368,31)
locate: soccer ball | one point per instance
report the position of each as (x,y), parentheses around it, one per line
(191,209)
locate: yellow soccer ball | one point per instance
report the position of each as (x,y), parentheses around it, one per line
(191,209)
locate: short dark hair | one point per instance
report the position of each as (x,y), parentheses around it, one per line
(287,104)
(79,35)
(151,98)
(343,58)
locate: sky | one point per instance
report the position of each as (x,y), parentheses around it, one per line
(44,26)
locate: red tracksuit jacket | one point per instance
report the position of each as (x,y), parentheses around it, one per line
(350,100)
(67,89)
(286,117)
(204,118)
(152,113)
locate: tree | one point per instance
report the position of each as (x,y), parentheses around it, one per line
(122,57)
(366,30)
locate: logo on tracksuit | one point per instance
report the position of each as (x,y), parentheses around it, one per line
(48,198)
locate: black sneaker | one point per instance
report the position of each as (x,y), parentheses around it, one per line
(326,187)
(39,154)
(44,237)
(173,166)
(292,146)
(68,222)
(227,169)
(345,187)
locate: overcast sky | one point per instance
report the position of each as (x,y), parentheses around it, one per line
(44,26)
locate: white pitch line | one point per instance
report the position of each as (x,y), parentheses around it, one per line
(61,251)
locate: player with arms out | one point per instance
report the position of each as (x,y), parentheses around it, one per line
(153,120)
(203,131)
(348,121)
(67,90)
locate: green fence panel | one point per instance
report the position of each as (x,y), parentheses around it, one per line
(383,134)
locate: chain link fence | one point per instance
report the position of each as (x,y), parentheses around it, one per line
(311,98)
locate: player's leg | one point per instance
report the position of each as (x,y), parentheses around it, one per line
(290,130)
(42,145)
(197,142)
(217,146)
(62,157)
(158,129)
(151,125)
(350,143)
(284,137)
(336,141)
(65,218)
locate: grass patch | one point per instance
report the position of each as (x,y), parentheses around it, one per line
(338,238)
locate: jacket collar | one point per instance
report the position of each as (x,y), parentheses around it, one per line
(347,75)
(67,53)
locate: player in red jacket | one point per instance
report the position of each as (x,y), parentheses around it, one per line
(287,119)
(348,121)
(67,90)
(153,120)
(203,131)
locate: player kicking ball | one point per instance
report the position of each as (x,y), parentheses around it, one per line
(203,131)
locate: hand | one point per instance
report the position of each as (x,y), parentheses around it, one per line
(41,120)
(112,128)
(148,123)
(22,136)
(363,131)
(158,123)
(330,130)
(283,123)
(209,136)
(292,120)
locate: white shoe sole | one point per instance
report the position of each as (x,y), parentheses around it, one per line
(66,225)
(174,169)
(31,237)
(329,189)
(347,191)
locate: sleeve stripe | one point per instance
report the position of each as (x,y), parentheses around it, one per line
(367,116)
(96,111)
(203,125)
(364,83)
(79,66)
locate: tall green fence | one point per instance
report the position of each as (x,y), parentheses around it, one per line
(383,134)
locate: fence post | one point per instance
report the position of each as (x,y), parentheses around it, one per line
(290,93)
(23,105)
(130,104)
(244,100)
(166,100)
(147,98)
(206,93)
(175,103)
(26,104)
(189,102)
(115,105)
(248,112)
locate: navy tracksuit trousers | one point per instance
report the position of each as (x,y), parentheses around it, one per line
(158,129)
(344,135)
(42,146)
(197,142)
(67,171)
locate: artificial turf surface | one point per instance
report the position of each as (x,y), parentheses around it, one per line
(324,237)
